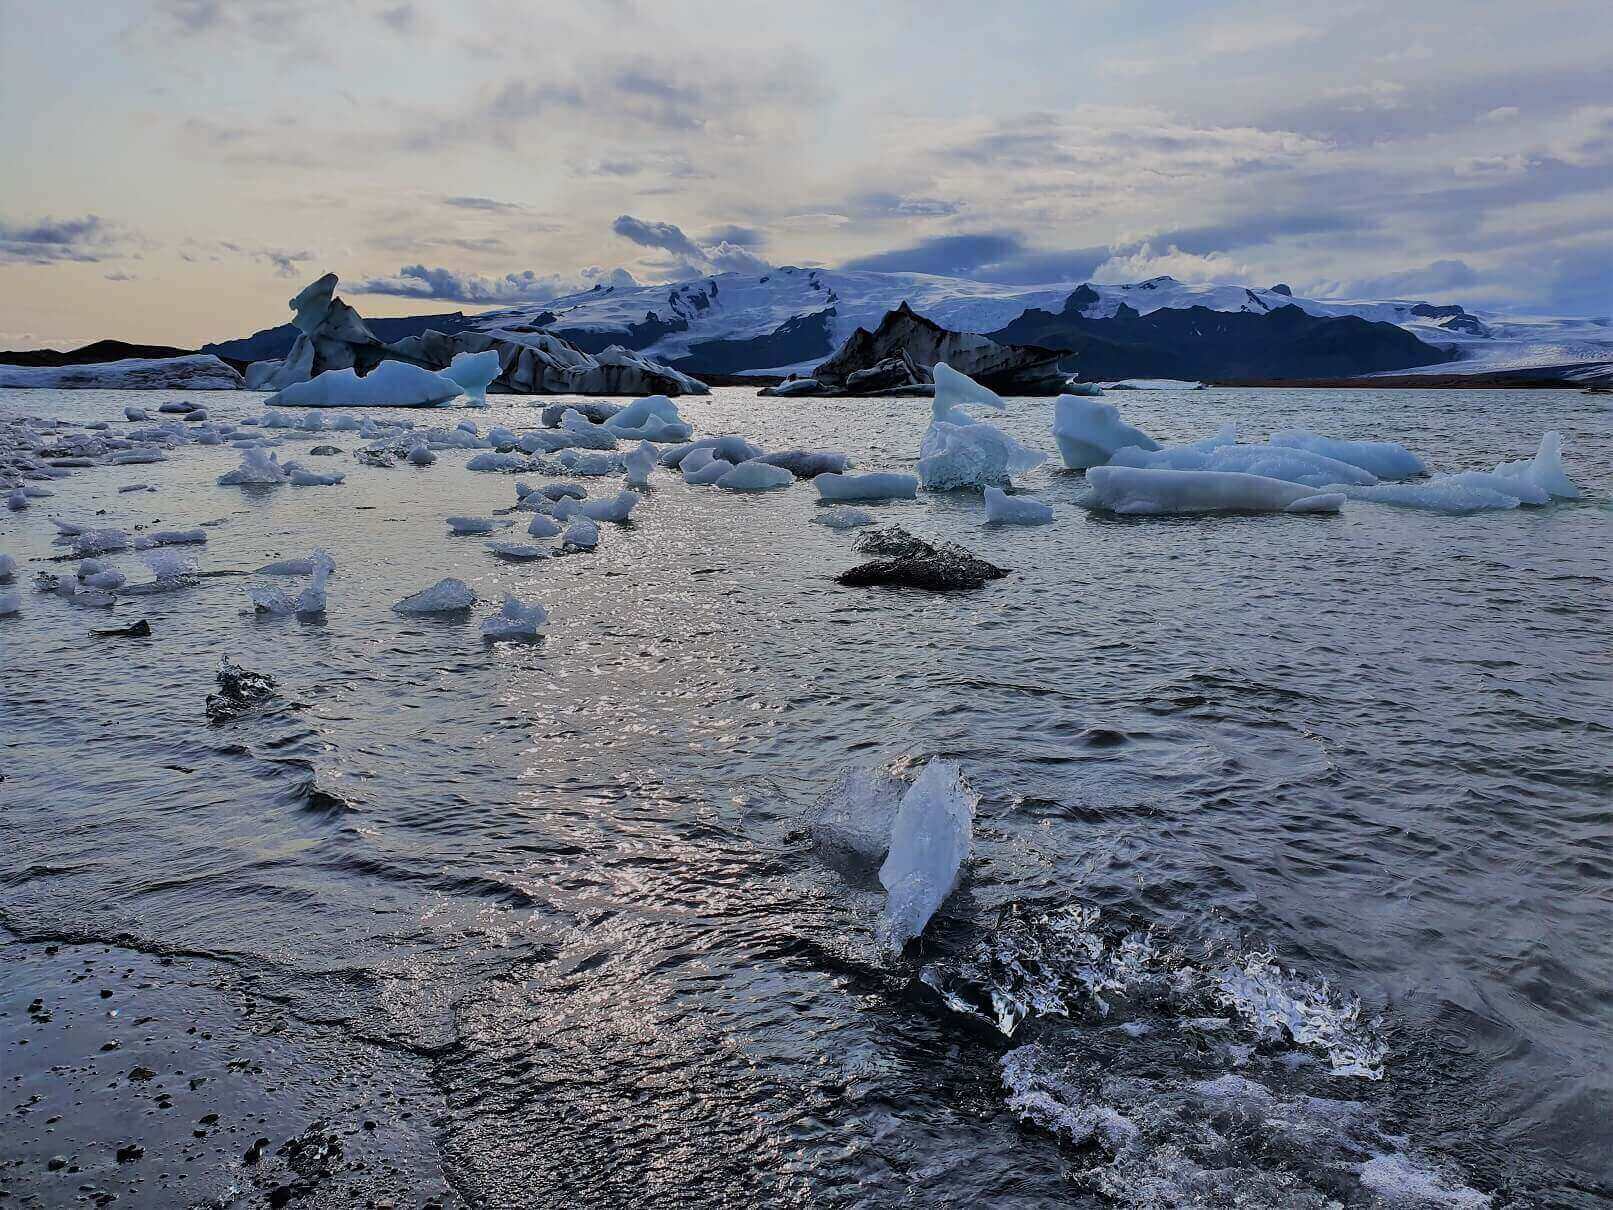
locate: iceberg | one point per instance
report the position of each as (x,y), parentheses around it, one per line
(520,552)
(929,842)
(109,580)
(1273,461)
(474,373)
(875,485)
(307,478)
(299,567)
(310,600)
(1545,470)
(420,454)
(1454,494)
(853,821)
(755,476)
(390,384)
(1135,490)
(807,464)
(447,595)
(1003,509)
(708,472)
(490,461)
(258,467)
(639,464)
(8,567)
(959,451)
(10,603)
(617,509)
(636,414)
(1089,433)
(515,621)
(191,372)
(542,526)
(581,534)
(476,525)
(1385,459)
(842,517)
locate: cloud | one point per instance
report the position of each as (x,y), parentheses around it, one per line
(120,275)
(731,233)
(1144,262)
(51,240)
(986,256)
(419,281)
(1437,277)
(481,203)
(726,256)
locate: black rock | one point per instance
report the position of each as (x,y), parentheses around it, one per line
(130,1151)
(240,690)
(321,451)
(134,630)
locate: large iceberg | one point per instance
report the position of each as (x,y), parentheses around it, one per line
(1136,490)
(929,842)
(1533,481)
(390,384)
(959,451)
(1089,433)
(1292,465)
(473,372)
(1385,459)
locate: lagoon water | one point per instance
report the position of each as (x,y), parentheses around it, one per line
(552,917)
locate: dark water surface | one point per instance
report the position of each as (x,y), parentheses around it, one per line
(564,900)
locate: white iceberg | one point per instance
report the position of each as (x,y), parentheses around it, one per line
(1273,461)
(390,384)
(635,414)
(929,843)
(10,603)
(1137,490)
(474,373)
(447,595)
(707,473)
(1088,433)
(617,509)
(875,485)
(959,451)
(1003,509)
(755,476)
(1545,470)
(543,526)
(515,621)
(581,534)
(307,478)
(258,468)
(639,464)
(1385,459)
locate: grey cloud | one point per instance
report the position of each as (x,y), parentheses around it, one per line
(669,237)
(421,281)
(50,240)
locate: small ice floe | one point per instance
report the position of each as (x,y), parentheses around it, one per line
(171,537)
(639,464)
(1089,434)
(447,595)
(492,461)
(311,600)
(585,433)
(960,451)
(100,542)
(108,579)
(699,473)
(560,491)
(1133,491)
(136,456)
(17,500)
(477,525)
(581,534)
(1545,471)
(299,567)
(852,824)
(807,464)
(166,565)
(474,373)
(930,841)
(515,621)
(543,526)
(1003,509)
(67,529)
(10,603)
(420,455)
(843,517)
(638,415)
(301,477)
(259,468)
(136,414)
(591,464)
(1387,460)
(617,509)
(8,567)
(755,476)
(876,485)
(520,552)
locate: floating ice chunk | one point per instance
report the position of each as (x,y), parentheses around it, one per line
(639,464)
(636,413)
(1273,461)
(174,537)
(166,565)
(299,567)
(843,518)
(17,500)
(617,509)
(876,485)
(1133,490)
(755,476)
(311,422)
(582,534)
(390,383)
(1089,433)
(1082,388)
(959,451)
(854,818)
(695,458)
(474,373)
(930,841)
(515,621)
(10,603)
(8,567)
(477,525)
(100,542)
(311,600)
(136,456)
(600,463)
(70,529)
(447,595)
(1455,494)
(656,429)
(1003,509)
(1385,459)
(258,468)
(497,462)
(499,435)
(543,526)
(136,414)
(807,464)
(467,426)
(586,433)
(708,473)
(307,478)
(421,455)
(107,580)
(562,491)
(519,551)
(1545,469)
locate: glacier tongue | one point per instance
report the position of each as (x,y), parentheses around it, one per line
(930,841)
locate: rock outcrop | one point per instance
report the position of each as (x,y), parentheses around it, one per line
(898,357)
(333,336)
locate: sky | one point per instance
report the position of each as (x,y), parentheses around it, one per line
(177,169)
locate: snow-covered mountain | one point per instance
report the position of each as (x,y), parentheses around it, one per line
(789,319)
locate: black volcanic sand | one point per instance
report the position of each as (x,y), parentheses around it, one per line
(147,1080)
